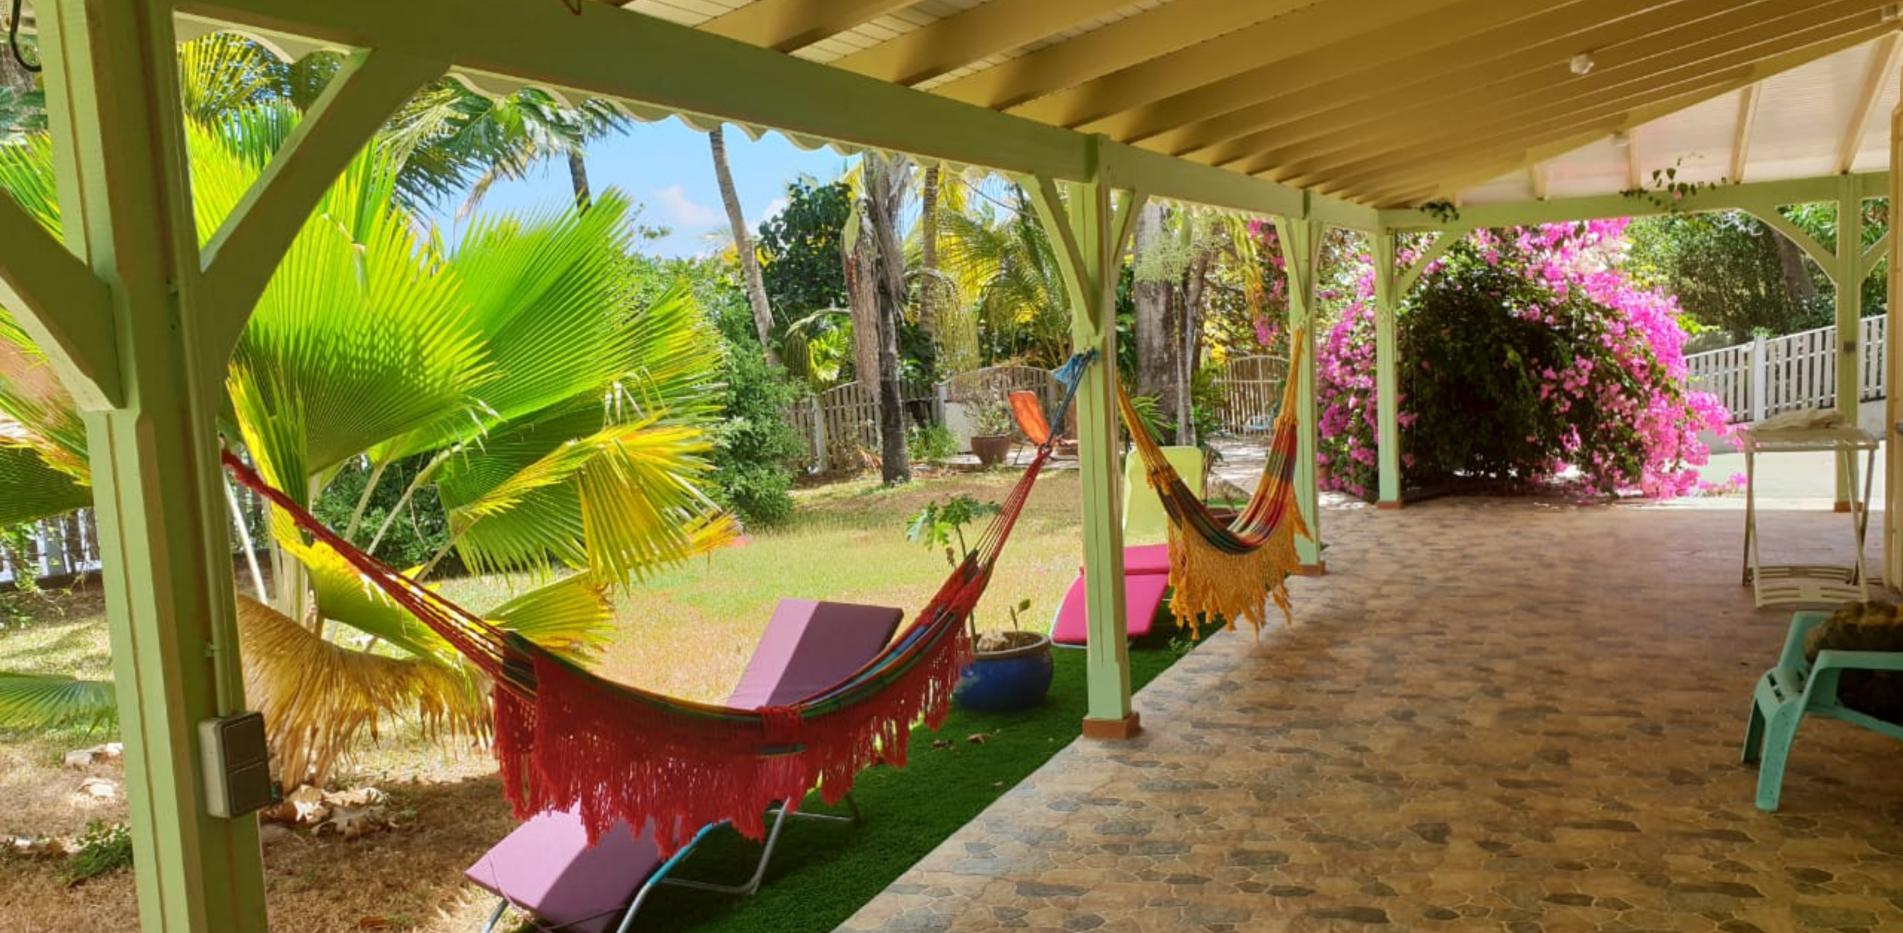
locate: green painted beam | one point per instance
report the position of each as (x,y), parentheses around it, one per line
(1336,212)
(1088,229)
(1559,210)
(1847,275)
(1406,278)
(60,303)
(1301,255)
(113,98)
(610,52)
(242,254)
(1878,251)
(1387,295)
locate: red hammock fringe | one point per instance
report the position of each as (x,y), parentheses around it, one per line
(617,756)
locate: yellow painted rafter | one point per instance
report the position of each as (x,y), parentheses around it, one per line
(963,38)
(1442,182)
(1322,23)
(1634,168)
(1882,71)
(791,25)
(1669,70)
(1410,164)
(1497,68)
(1741,134)
(1431,24)
(1133,40)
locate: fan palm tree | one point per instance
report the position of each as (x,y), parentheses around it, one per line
(1003,259)
(562,426)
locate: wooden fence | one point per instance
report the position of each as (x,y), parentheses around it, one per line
(1251,390)
(1796,371)
(841,424)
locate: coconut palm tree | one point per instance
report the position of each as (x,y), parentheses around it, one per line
(743,244)
(1001,256)
(562,427)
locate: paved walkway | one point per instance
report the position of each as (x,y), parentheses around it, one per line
(1501,715)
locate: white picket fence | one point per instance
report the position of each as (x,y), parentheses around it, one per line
(55,548)
(841,425)
(1796,371)
(1251,390)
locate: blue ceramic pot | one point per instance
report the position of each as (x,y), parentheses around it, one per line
(1003,681)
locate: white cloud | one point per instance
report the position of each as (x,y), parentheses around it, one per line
(773,209)
(685,212)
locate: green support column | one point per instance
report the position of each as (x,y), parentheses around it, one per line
(1301,254)
(1847,275)
(1387,299)
(1893,369)
(124,192)
(1088,233)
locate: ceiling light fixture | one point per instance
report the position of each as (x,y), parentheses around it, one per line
(1581,64)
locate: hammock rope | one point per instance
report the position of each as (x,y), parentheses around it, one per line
(569,739)
(1221,567)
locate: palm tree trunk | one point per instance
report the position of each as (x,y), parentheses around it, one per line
(1155,338)
(743,245)
(928,253)
(884,195)
(578,177)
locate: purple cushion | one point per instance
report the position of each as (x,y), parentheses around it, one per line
(810,646)
(546,866)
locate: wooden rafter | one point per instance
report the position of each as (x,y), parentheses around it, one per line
(1538,175)
(791,25)
(1285,130)
(1882,71)
(1634,159)
(963,38)
(1322,23)
(1659,71)
(1434,26)
(1403,185)
(1173,26)
(1741,133)
(1592,115)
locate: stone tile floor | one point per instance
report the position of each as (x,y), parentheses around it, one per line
(1507,715)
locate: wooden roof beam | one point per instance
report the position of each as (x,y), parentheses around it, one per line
(1291,127)
(1133,40)
(1741,135)
(1449,173)
(791,25)
(1436,27)
(1883,60)
(1499,122)
(1322,23)
(1667,66)
(1538,178)
(972,35)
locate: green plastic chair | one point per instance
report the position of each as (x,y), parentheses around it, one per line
(1796,688)
(1144,521)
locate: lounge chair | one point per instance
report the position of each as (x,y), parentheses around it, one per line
(1796,688)
(546,867)
(1146,565)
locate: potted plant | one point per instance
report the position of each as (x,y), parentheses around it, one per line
(1010,670)
(991,428)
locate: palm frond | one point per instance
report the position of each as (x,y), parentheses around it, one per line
(33,488)
(571,616)
(46,701)
(318,698)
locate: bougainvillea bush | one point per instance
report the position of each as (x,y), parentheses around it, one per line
(1525,356)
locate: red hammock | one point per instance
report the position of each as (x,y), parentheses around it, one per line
(568,739)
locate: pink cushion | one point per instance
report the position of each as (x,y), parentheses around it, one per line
(810,646)
(1142,594)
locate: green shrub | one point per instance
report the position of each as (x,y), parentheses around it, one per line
(103,849)
(932,444)
(754,443)
(420,529)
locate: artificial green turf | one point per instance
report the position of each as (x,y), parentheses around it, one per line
(822,872)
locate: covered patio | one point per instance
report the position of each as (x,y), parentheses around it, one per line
(1502,714)
(1472,691)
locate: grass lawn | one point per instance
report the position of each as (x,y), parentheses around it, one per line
(689,632)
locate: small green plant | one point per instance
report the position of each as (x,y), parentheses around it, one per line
(991,413)
(1442,210)
(943,521)
(931,444)
(1667,193)
(103,849)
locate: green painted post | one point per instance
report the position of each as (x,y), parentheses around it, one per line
(1848,277)
(1087,240)
(1386,378)
(1301,249)
(125,195)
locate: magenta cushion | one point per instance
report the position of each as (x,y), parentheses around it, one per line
(810,646)
(1142,595)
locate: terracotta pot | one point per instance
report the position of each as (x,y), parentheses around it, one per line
(991,448)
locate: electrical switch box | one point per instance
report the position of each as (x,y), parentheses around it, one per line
(237,765)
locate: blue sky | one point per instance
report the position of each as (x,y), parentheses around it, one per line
(666,168)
